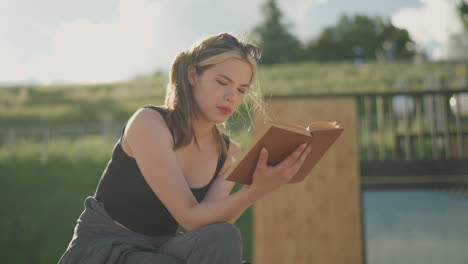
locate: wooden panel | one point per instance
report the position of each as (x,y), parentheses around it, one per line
(319,219)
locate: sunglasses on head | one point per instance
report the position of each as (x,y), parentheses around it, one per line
(233,43)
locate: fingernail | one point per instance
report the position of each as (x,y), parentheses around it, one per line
(263,150)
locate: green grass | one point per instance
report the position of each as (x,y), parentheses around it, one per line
(43,198)
(65,104)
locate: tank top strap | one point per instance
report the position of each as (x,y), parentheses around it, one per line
(163,112)
(159,109)
(221,159)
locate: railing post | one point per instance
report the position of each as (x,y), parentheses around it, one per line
(442,102)
(367,127)
(458,125)
(381,126)
(391,126)
(420,121)
(432,126)
(408,154)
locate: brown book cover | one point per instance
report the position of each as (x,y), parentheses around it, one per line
(281,140)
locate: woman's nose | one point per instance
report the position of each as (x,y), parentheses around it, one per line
(229,94)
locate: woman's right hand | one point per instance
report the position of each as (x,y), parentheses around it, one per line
(268,178)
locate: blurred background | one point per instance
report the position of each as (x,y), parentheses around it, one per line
(73,72)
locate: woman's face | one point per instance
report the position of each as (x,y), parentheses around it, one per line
(220,89)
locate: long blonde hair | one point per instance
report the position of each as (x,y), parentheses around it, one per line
(180,100)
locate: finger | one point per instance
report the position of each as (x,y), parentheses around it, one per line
(292,158)
(262,159)
(297,165)
(305,153)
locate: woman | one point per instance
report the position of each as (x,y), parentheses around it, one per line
(168,170)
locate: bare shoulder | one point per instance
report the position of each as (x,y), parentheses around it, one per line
(145,124)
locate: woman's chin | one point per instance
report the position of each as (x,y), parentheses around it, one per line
(221,118)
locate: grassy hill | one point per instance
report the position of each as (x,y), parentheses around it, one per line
(71,104)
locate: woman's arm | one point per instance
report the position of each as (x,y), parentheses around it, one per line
(265,180)
(234,219)
(221,188)
(150,142)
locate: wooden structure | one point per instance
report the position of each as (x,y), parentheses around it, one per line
(319,219)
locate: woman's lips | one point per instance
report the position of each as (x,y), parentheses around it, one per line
(224,110)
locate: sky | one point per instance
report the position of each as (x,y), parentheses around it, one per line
(87,41)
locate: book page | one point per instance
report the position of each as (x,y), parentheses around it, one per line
(291,127)
(323,126)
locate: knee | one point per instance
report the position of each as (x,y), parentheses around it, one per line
(220,234)
(218,243)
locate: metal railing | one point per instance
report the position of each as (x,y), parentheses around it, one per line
(425,125)
(410,139)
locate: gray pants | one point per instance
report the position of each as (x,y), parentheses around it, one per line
(215,243)
(97,239)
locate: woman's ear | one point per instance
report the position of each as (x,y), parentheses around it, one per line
(191,74)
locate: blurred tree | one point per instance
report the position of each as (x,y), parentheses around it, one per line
(361,38)
(458,42)
(273,38)
(462,10)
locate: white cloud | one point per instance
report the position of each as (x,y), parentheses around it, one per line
(431,24)
(44,42)
(144,36)
(91,51)
(10,67)
(295,11)
(15,31)
(141,37)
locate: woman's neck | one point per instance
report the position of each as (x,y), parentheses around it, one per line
(203,130)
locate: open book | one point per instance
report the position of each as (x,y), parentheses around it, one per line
(281,140)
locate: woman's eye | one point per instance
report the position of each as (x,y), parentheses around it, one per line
(220,82)
(224,84)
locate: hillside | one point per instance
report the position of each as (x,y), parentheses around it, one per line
(71,104)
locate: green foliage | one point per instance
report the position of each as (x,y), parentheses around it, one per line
(353,38)
(57,105)
(45,197)
(276,43)
(361,38)
(42,200)
(462,10)
(458,41)
(49,105)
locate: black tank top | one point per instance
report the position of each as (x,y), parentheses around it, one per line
(128,198)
